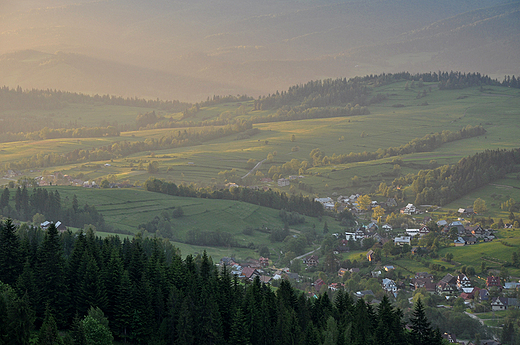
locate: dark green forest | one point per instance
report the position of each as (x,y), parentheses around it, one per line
(449,182)
(141,291)
(277,200)
(51,207)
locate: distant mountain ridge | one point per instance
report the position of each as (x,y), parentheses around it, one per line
(192,50)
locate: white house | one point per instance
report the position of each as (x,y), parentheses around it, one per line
(387,227)
(282,182)
(409,209)
(412,232)
(324,200)
(389,285)
(402,240)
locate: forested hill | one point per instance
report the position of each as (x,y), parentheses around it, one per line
(339,92)
(142,292)
(447,183)
(21,99)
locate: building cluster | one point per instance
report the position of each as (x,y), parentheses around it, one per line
(350,203)
(59,226)
(249,270)
(466,234)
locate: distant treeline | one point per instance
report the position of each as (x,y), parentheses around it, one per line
(339,92)
(124,148)
(152,121)
(270,198)
(447,183)
(446,80)
(147,294)
(19,99)
(51,206)
(427,143)
(318,93)
(50,133)
(317,157)
(301,113)
(224,99)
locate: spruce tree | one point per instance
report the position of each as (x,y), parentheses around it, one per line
(123,308)
(238,335)
(422,333)
(51,275)
(21,321)
(26,284)
(10,253)
(4,199)
(48,334)
(389,329)
(92,292)
(77,331)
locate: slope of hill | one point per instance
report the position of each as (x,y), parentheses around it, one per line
(73,72)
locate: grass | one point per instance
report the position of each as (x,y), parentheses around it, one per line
(125,209)
(492,253)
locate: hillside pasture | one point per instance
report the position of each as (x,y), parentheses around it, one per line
(494,254)
(494,195)
(125,209)
(84,115)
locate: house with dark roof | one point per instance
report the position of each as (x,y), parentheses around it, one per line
(470,240)
(423,280)
(446,285)
(370,255)
(484,295)
(424,231)
(342,271)
(476,230)
(249,273)
(311,261)
(450,337)
(493,281)
(458,225)
(499,303)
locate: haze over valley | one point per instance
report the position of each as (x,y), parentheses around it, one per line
(191,50)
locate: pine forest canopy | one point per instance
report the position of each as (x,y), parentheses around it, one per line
(144,292)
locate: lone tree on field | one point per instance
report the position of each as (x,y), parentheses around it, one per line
(479,205)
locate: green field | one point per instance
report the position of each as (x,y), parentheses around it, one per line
(494,254)
(125,209)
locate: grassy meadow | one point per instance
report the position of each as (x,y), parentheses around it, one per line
(125,209)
